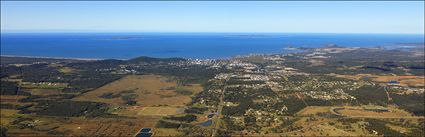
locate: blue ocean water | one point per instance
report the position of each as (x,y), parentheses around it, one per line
(187,45)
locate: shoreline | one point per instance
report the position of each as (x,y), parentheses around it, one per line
(97,59)
(42,57)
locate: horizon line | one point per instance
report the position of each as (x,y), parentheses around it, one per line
(229,32)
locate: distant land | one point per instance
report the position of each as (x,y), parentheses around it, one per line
(185,45)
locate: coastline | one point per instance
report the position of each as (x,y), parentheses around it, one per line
(42,57)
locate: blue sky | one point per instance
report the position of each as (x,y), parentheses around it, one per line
(218,16)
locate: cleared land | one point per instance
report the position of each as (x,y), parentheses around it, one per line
(7,116)
(10,99)
(150,111)
(360,112)
(312,110)
(147,90)
(80,126)
(312,123)
(404,80)
(155,96)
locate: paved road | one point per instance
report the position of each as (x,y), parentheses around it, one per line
(216,125)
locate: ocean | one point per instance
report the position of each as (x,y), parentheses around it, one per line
(186,45)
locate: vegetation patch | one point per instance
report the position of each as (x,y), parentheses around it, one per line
(183,92)
(71,108)
(185,118)
(169,124)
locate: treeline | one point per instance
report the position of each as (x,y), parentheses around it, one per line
(6,71)
(293,104)
(185,74)
(8,88)
(373,61)
(89,80)
(144,59)
(30,60)
(195,110)
(233,81)
(185,118)
(370,95)
(71,108)
(169,124)
(413,103)
(380,127)
(87,75)
(41,73)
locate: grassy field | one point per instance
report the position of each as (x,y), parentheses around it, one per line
(324,127)
(80,126)
(7,116)
(66,70)
(155,96)
(10,99)
(398,128)
(108,126)
(149,111)
(312,122)
(149,90)
(44,92)
(166,132)
(312,110)
(404,80)
(355,111)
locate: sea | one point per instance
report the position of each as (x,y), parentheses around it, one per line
(185,45)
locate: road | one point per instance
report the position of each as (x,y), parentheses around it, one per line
(388,94)
(216,119)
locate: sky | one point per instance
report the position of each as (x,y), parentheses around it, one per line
(213,16)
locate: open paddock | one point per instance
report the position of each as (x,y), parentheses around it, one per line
(312,110)
(404,80)
(149,111)
(10,98)
(80,126)
(360,112)
(147,90)
(8,115)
